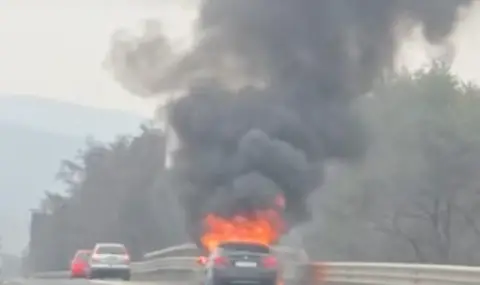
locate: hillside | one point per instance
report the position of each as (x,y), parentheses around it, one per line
(65,118)
(35,134)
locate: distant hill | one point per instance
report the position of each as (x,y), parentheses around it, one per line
(28,160)
(65,118)
(35,135)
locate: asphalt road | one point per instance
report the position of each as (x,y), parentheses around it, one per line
(78,282)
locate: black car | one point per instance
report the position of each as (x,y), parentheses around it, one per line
(241,263)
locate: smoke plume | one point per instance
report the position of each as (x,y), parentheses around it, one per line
(267,91)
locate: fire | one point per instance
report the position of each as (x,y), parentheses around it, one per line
(263,226)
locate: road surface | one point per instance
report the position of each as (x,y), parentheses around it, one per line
(77,282)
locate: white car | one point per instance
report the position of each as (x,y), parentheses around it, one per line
(109,260)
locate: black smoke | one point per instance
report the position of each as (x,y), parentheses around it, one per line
(268,90)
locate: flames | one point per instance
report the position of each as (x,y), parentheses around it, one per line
(261,226)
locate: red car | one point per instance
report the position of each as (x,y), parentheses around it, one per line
(79,264)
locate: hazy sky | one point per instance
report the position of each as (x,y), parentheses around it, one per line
(55,48)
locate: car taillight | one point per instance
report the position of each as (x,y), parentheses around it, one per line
(202,260)
(270,262)
(127,258)
(220,261)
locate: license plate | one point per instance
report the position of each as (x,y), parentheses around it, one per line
(114,260)
(246,264)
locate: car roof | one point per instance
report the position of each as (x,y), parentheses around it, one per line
(242,242)
(84,250)
(243,246)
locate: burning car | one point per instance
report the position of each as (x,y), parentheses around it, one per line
(238,248)
(240,262)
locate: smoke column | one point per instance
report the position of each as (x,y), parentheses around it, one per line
(268,90)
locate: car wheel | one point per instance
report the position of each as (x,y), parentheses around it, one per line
(214,281)
(126,277)
(271,282)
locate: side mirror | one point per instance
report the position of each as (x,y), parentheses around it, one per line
(201,260)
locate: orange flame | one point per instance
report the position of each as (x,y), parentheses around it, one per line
(263,226)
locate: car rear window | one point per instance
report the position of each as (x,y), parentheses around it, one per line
(111,249)
(250,247)
(82,255)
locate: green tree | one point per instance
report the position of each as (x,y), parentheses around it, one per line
(415,196)
(115,192)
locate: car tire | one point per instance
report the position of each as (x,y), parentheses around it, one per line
(270,282)
(215,281)
(126,276)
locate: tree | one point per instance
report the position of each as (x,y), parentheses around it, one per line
(114,192)
(416,192)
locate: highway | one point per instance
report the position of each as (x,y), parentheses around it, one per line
(175,266)
(78,282)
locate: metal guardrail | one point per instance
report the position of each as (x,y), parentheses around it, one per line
(168,263)
(307,273)
(388,274)
(165,251)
